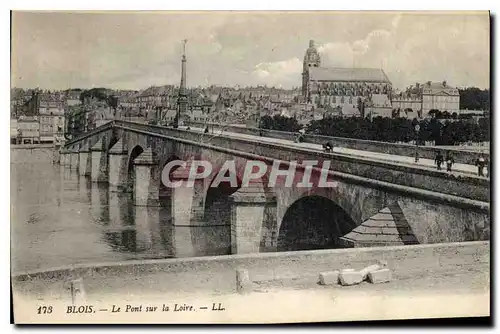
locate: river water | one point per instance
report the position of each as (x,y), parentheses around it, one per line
(59,218)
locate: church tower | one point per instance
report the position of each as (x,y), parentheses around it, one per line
(311,59)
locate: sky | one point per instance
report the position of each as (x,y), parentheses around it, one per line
(135,50)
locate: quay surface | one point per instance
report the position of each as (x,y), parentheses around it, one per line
(433,280)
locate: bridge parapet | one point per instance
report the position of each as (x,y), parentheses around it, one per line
(425,152)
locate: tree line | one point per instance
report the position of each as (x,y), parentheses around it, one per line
(473,98)
(389,129)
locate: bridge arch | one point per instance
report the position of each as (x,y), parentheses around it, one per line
(134,153)
(217,201)
(313,222)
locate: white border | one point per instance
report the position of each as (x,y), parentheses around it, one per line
(181,5)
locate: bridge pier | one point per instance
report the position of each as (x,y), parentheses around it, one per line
(99,163)
(65,158)
(187,202)
(118,167)
(253,220)
(56,158)
(146,184)
(74,159)
(85,161)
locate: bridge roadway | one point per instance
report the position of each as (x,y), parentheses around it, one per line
(458,168)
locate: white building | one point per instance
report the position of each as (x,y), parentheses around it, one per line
(13,130)
(29,129)
(440,96)
(404,103)
(51,118)
(420,99)
(73,102)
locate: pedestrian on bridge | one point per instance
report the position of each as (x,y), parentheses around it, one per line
(327,147)
(300,138)
(480,163)
(439,160)
(449,162)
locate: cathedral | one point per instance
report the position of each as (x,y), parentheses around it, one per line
(343,87)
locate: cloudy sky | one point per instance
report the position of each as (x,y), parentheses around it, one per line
(136,50)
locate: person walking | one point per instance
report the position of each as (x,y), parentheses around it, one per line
(417,156)
(449,162)
(327,147)
(480,163)
(439,160)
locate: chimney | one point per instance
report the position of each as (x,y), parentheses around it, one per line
(444,83)
(311,43)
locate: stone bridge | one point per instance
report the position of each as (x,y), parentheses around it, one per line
(367,202)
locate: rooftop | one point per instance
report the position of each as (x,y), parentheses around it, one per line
(437,85)
(348,74)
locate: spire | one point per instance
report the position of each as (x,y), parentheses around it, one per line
(182,101)
(183,69)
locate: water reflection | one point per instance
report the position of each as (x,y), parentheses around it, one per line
(61,218)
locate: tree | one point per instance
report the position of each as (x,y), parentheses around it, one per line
(425,133)
(361,107)
(484,125)
(473,98)
(436,131)
(280,123)
(433,113)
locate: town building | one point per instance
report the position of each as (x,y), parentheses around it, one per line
(14,131)
(51,117)
(440,96)
(29,129)
(419,99)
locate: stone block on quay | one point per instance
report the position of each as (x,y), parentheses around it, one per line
(243,283)
(329,277)
(364,272)
(350,277)
(380,276)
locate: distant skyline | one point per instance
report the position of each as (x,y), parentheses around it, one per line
(135,50)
